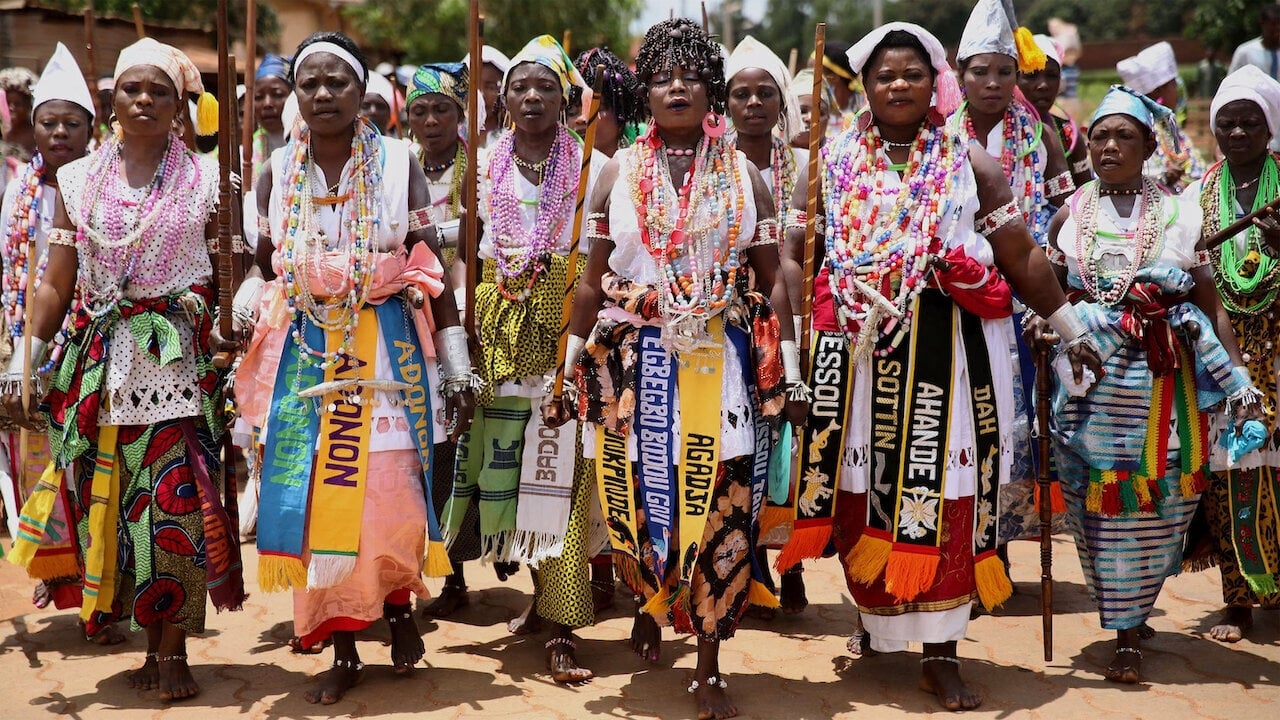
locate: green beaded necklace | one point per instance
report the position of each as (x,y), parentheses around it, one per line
(1231,268)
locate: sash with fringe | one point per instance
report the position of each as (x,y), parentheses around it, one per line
(989,574)
(44,541)
(104,514)
(759,592)
(409,366)
(618,500)
(655,402)
(341,471)
(1248,491)
(821,447)
(911,396)
(286,466)
(546,488)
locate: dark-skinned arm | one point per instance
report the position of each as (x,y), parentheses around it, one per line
(1056,163)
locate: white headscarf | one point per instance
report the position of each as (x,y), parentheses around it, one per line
(1049,47)
(490,55)
(946,90)
(753,54)
(62,80)
(1149,69)
(1249,83)
(379,85)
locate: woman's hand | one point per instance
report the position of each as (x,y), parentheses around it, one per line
(1268,224)
(11,406)
(554,413)
(1246,412)
(241,333)
(1037,334)
(1084,355)
(460,408)
(797,412)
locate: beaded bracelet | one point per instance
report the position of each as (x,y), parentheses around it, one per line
(598,227)
(768,232)
(60,236)
(419,219)
(1059,184)
(991,222)
(215,245)
(1202,259)
(1056,256)
(796,219)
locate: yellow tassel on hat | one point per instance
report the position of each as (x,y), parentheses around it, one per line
(206,115)
(1030,57)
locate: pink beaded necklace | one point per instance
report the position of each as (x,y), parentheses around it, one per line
(516,248)
(23,227)
(1020,150)
(881,240)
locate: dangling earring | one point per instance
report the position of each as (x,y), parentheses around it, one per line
(713,125)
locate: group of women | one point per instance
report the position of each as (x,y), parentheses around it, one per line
(390,446)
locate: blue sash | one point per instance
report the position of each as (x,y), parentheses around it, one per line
(655,440)
(763,443)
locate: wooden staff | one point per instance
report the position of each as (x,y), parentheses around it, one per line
(584,173)
(793,60)
(226,99)
(1240,225)
(246,134)
(1045,507)
(137,22)
(471,179)
(815,186)
(88,47)
(565,38)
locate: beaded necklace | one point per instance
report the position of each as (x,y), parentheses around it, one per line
(459,165)
(1109,288)
(1248,278)
(881,240)
(517,249)
(782,168)
(23,226)
(306,246)
(111,249)
(697,265)
(1020,159)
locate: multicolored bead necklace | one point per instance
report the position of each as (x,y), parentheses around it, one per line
(459,165)
(783,171)
(1248,277)
(22,227)
(882,238)
(305,245)
(697,264)
(1019,159)
(1109,290)
(111,250)
(519,250)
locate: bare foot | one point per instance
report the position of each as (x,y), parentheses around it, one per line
(563,662)
(449,601)
(106,635)
(1237,620)
(146,677)
(41,595)
(646,636)
(333,683)
(791,594)
(295,646)
(1145,632)
(713,702)
(1125,666)
(940,675)
(406,642)
(176,682)
(527,622)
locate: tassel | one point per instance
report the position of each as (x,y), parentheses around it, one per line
(52,565)
(1093,496)
(206,115)
(1030,57)
(1057,503)
(910,571)
(1111,499)
(436,564)
(659,604)
(806,543)
(866,561)
(947,95)
(1262,584)
(328,570)
(1129,495)
(773,516)
(33,519)
(992,580)
(277,573)
(760,595)
(1142,493)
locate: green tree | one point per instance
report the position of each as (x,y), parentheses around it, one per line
(424,30)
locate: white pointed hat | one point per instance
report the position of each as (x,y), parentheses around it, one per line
(988,31)
(1249,83)
(62,80)
(1149,69)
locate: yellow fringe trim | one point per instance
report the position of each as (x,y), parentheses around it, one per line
(993,582)
(51,567)
(910,573)
(436,564)
(1030,57)
(658,604)
(771,516)
(866,561)
(1093,498)
(276,574)
(206,119)
(758,594)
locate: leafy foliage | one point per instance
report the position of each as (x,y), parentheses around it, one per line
(198,12)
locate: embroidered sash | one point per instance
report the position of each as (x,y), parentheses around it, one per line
(821,446)
(618,500)
(698,371)
(655,402)
(1248,491)
(104,514)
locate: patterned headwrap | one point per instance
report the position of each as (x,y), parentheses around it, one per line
(181,72)
(448,79)
(1123,100)
(273,66)
(546,51)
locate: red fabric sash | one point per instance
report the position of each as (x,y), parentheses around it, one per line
(1145,318)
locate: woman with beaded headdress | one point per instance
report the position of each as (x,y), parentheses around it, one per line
(765,113)
(621,117)
(683,373)
(436,102)
(135,404)
(1240,503)
(525,475)
(916,220)
(1133,260)
(341,373)
(997,117)
(62,115)
(1154,73)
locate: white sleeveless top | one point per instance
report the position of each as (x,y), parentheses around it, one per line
(1182,219)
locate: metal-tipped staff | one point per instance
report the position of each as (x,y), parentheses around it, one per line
(588,147)
(226,109)
(1240,225)
(246,130)
(471,179)
(1045,503)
